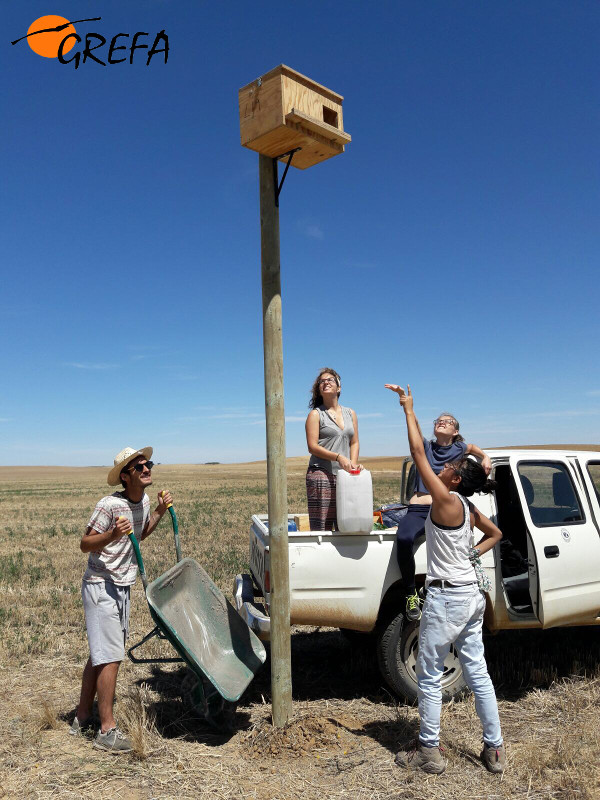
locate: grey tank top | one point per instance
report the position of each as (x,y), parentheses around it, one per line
(333,438)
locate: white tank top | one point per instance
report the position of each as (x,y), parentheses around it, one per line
(448,550)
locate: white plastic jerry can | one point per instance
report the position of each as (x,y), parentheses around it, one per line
(354,498)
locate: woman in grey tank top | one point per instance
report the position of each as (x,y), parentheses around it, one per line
(332,439)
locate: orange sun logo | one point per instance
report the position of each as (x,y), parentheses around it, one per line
(53,36)
(52,30)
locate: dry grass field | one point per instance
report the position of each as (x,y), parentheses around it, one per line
(345,727)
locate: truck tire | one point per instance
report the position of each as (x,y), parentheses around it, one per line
(397,648)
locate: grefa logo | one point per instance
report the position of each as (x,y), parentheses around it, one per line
(52,36)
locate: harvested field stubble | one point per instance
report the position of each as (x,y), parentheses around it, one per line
(345,728)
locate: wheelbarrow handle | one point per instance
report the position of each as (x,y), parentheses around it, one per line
(175,531)
(138,557)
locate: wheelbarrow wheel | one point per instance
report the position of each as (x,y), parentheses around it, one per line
(204,699)
(221,715)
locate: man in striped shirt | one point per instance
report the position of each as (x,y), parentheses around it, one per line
(111,571)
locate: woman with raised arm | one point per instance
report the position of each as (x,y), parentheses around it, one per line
(454,604)
(446,446)
(332,439)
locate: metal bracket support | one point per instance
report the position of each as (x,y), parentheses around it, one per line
(279,186)
(156,632)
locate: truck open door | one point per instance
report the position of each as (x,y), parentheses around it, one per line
(563,541)
(591,477)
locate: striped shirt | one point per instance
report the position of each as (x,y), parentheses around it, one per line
(116,562)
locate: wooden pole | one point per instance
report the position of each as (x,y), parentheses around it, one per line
(281,671)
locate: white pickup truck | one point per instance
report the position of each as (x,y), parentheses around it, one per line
(544,573)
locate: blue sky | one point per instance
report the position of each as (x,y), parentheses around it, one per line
(454,245)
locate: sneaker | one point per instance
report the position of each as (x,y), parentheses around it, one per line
(81,728)
(429,759)
(413,607)
(113,741)
(494,758)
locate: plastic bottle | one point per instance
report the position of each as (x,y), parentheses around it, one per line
(291,525)
(354,499)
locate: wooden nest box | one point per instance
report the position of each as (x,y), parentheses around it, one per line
(283,110)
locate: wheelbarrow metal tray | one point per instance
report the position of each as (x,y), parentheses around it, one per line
(205,629)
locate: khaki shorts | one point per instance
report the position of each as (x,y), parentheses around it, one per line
(106,608)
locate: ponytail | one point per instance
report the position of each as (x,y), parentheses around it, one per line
(488,487)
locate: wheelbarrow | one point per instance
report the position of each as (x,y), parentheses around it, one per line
(192,613)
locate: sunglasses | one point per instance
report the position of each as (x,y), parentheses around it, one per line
(141,467)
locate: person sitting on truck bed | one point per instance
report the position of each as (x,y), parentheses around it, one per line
(448,445)
(454,605)
(332,439)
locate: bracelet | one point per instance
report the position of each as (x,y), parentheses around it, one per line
(337,458)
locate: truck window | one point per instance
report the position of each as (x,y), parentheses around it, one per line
(550,494)
(594,473)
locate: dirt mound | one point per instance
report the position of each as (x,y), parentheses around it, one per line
(306,735)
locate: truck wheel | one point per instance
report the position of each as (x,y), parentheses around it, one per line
(397,648)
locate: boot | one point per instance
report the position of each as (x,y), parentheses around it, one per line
(494,758)
(429,759)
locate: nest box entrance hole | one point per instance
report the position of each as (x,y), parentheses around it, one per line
(330,116)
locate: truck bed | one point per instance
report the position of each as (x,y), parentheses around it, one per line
(336,579)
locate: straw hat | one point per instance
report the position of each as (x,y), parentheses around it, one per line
(121,461)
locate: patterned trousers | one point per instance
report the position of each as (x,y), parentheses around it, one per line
(320,491)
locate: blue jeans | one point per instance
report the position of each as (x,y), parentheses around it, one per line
(410,527)
(454,615)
